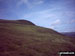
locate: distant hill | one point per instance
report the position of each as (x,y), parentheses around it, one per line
(71,34)
(23,38)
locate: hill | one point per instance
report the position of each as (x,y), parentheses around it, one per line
(71,34)
(23,38)
(25,22)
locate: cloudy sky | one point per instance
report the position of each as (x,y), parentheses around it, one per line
(56,14)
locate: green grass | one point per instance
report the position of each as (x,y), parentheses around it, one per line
(30,40)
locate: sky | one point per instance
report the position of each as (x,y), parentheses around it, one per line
(55,14)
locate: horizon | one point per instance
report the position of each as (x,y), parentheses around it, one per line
(55,14)
(40,26)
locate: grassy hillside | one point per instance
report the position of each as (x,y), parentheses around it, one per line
(17,39)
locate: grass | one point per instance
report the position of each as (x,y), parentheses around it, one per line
(30,40)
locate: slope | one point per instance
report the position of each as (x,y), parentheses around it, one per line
(31,40)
